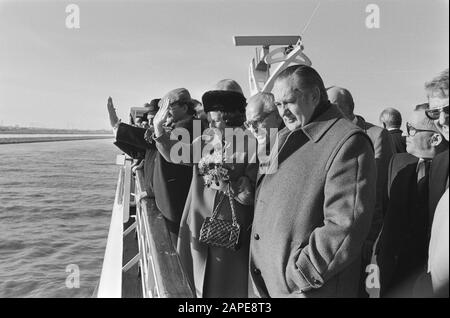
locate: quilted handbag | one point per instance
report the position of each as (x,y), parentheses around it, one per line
(221,233)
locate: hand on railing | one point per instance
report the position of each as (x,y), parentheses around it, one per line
(140,195)
(139,164)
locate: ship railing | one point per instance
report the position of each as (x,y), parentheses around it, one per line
(110,284)
(160,269)
(163,276)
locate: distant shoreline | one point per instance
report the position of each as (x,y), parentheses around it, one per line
(33,130)
(6,141)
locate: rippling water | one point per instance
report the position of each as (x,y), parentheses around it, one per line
(55,207)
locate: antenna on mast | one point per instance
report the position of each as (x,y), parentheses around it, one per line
(310,19)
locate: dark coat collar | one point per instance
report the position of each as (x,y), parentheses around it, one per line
(360,122)
(322,123)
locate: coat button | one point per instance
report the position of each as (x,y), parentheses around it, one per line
(257,271)
(256,236)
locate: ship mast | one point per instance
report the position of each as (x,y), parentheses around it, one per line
(261,79)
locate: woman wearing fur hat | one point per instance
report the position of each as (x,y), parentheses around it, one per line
(222,191)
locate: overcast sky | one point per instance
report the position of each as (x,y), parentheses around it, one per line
(52,76)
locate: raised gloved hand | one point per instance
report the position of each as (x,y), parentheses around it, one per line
(161,117)
(113,119)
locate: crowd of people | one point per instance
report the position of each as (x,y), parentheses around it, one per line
(325,194)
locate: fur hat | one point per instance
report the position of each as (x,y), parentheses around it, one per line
(224,101)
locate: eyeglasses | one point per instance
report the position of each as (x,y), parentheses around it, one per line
(434,113)
(254,124)
(412,131)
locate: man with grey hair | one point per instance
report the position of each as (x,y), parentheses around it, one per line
(261,114)
(391,119)
(264,122)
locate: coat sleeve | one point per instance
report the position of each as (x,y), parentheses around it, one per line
(245,187)
(390,180)
(383,154)
(132,151)
(388,194)
(349,199)
(133,136)
(175,151)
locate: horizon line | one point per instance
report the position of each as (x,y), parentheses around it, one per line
(16,127)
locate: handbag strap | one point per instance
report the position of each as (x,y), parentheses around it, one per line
(216,209)
(233,213)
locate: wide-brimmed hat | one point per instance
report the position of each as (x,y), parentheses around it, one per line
(224,101)
(178,95)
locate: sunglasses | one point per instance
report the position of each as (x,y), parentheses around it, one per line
(254,124)
(412,131)
(434,113)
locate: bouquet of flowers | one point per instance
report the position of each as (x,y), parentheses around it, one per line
(216,174)
(214,170)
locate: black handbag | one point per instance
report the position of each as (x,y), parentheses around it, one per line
(221,233)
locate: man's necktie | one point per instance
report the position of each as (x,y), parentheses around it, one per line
(423,170)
